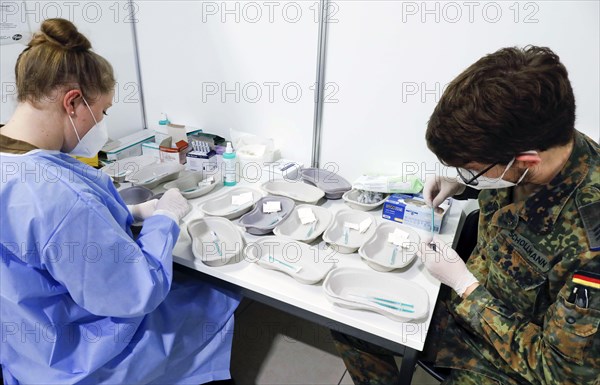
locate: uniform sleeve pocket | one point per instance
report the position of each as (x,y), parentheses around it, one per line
(571,329)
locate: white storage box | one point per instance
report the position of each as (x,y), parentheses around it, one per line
(128,146)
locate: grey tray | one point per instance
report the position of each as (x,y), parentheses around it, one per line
(331,183)
(136,194)
(258,223)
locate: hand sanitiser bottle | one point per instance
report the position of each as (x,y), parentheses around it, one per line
(230,175)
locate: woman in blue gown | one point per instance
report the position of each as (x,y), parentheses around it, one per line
(82,301)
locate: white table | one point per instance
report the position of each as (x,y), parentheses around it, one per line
(309,301)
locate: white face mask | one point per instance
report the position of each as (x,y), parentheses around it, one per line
(93,141)
(485,183)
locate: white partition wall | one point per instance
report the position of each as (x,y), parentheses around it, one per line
(389,62)
(244,65)
(108,26)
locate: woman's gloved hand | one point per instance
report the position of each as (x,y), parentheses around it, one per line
(173,205)
(438,188)
(143,210)
(446,265)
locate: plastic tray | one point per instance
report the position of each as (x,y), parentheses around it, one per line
(135,195)
(215,241)
(155,174)
(335,233)
(120,169)
(257,222)
(306,264)
(331,183)
(221,206)
(293,227)
(187,184)
(350,198)
(382,255)
(298,191)
(386,294)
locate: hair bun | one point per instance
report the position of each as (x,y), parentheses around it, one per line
(64,33)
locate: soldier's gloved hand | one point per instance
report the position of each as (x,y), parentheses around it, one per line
(173,205)
(143,210)
(438,188)
(446,265)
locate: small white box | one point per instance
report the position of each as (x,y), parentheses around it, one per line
(201,162)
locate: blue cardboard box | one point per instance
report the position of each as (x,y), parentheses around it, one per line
(412,210)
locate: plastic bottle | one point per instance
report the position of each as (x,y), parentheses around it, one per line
(230,175)
(163,119)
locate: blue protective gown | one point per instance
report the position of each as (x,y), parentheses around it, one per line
(82,302)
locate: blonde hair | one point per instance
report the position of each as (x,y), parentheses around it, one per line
(60,56)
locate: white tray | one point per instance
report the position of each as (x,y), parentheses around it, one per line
(152,175)
(382,255)
(298,191)
(221,206)
(386,294)
(187,184)
(306,264)
(120,169)
(215,250)
(350,198)
(293,227)
(336,233)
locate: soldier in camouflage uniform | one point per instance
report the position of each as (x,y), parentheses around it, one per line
(531,312)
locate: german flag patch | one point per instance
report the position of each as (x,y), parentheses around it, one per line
(587,278)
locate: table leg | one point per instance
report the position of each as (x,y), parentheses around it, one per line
(407,368)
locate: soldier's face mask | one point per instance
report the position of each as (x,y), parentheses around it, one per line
(476,179)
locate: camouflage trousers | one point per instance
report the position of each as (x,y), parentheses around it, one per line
(370,364)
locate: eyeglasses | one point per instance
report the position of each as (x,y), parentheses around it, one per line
(469,177)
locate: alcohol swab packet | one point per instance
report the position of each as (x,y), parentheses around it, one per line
(238,200)
(271,207)
(364,225)
(306,215)
(399,238)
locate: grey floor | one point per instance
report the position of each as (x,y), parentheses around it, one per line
(271,347)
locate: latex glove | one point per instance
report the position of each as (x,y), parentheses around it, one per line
(143,210)
(438,188)
(446,265)
(173,205)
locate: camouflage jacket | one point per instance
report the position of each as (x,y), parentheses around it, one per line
(534,318)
